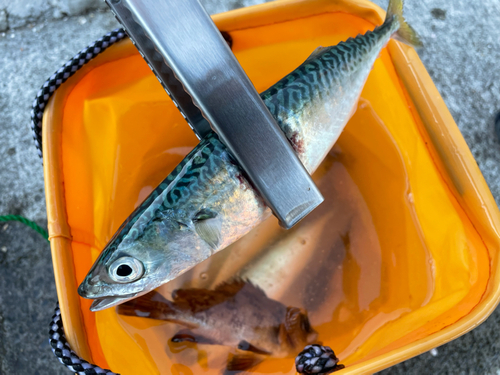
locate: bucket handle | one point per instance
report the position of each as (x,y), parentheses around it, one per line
(62,75)
(57,340)
(65,354)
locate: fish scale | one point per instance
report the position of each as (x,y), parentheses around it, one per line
(206,203)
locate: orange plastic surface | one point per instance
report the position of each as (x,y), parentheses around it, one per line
(418,262)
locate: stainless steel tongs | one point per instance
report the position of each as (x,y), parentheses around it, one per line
(192,61)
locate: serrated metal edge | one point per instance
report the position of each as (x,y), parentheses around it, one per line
(165,75)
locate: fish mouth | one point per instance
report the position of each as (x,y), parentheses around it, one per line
(107,302)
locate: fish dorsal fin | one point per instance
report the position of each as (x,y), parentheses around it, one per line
(208,226)
(234,286)
(242,362)
(198,300)
(315,53)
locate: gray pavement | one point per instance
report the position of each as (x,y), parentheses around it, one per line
(462,52)
(15,14)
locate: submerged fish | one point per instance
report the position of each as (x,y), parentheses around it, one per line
(236,314)
(206,203)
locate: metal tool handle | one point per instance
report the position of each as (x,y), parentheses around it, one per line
(165,75)
(190,44)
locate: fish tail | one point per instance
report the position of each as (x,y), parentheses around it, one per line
(405,32)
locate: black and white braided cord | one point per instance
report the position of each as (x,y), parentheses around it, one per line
(57,340)
(59,77)
(317,360)
(63,352)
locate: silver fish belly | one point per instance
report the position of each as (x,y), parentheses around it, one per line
(206,203)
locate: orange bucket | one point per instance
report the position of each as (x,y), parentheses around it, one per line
(408,233)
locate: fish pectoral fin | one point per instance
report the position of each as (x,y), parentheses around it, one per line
(182,226)
(296,329)
(315,53)
(204,214)
(242,362)
(293,319)
(208,226)
(283,338)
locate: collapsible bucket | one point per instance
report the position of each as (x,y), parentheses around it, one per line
(402,256)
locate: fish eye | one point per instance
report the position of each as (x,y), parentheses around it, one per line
(126,270)
(244,345)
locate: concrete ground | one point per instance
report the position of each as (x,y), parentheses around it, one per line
(462,52)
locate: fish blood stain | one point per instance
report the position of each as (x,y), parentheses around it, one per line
(297,143)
